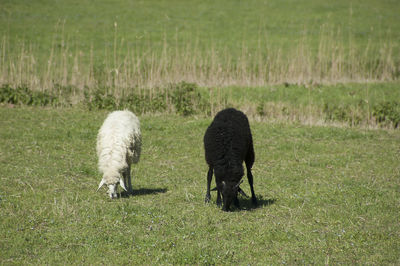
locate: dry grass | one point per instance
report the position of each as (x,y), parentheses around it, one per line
(335,59)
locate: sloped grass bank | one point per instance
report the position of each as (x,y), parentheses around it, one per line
(351,105)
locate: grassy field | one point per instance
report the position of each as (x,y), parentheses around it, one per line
(212,43)
(224,23)
(327,195)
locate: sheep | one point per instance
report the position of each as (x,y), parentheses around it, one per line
(119,144)
(227,143)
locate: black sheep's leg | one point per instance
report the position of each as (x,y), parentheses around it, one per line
(209,178)
(249,163)
(236,202)
(250,178)
(219,201)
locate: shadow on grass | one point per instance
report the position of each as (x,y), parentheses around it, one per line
(246,204)
(143,191)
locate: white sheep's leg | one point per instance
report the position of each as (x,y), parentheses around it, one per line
(128,177)
(125,179)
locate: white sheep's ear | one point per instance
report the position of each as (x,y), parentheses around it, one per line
(121,183)
(102,182)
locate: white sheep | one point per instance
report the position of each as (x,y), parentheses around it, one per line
(118,146)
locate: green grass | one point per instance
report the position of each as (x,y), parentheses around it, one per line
(224,23)
(44,44)
(347,104)
(347,93)
(328,195)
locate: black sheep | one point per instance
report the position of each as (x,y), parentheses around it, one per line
(227,143)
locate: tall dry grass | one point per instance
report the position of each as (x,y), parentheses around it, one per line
(335,59)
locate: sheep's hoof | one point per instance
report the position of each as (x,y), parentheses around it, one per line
(254,201)
(219,203)
(207,199)
(226,209)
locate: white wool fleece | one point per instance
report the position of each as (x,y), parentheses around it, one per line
(118,144)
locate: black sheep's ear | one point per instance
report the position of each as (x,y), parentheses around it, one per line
(223,184)
(214,189)
(238,184)
(242,192)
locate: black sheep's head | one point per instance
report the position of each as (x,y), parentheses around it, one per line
(228,180)
(229,191)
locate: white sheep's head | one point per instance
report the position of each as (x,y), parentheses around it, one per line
(112,187)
